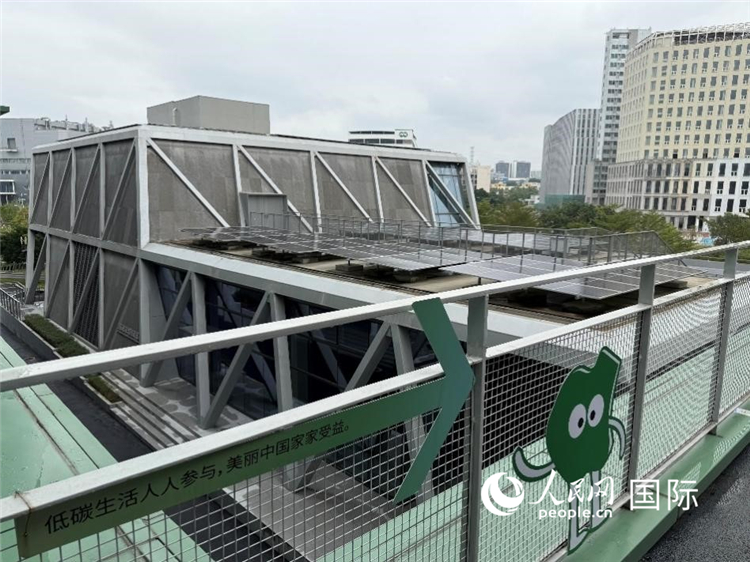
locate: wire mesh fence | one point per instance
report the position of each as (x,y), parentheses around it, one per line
(680,378)
(736,376)
(521,388)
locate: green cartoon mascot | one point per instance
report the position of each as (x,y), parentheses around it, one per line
(579,435)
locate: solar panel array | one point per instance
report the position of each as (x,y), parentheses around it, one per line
(405,252)
(457,250)
(597,287)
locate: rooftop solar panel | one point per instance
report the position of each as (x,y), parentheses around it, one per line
(405,252)
(597,287)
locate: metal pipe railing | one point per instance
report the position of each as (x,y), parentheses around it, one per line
(81,365)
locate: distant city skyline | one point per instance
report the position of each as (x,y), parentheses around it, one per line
(132,55)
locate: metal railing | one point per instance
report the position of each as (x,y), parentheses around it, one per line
(11,303)
(9,267)
(685,366)
(585,245)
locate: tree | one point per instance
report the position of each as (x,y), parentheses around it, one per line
(729,228)
(571,214)
(632,220)
(511,213)
(14,226)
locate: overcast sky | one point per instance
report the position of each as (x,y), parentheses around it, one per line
(488,75)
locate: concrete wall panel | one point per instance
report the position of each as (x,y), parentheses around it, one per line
(410,176)
(356,174)
(59,269)
(395,205)
(117,268)
(41,188)
(62,174)
(210,168)
(115,155)
(333,200)
(290,171)
(123,225)
(172,206)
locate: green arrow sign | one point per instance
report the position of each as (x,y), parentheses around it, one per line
(457,383)
(45,528)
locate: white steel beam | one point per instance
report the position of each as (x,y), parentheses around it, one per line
(316,188)
(378,197)
(238,183)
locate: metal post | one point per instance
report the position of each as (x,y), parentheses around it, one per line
(202,375)
(730,271)
(476,344)
(609,249)
(591,251)
(645,297)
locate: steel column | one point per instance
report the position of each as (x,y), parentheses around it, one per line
(730,271)
(202,378)
(645,297)
(241,356)
(476,343)
(284,396)
(183,296)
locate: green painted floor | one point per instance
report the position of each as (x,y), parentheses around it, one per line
(41,442)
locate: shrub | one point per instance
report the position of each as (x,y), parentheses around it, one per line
(67,346)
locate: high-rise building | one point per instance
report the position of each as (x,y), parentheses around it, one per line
(520,170)
(400,137)
(617,44)
(481,176)
(683,149)
(503,168)
(569,146)
(18,136)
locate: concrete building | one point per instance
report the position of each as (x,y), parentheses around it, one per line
(519,170)
(398,137)
(18,137)
(617,44)
(204,112)
(569,146)
(683,144)
(481,176)
(119,261)
(536,174)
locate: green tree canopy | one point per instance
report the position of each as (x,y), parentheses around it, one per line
(729,228)
(14,226)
